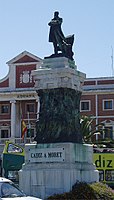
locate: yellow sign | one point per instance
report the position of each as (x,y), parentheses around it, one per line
(104,160)
(105,164)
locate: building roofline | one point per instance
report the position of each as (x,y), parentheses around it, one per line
(19,56)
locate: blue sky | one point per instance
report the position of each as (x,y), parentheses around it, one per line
(24,26)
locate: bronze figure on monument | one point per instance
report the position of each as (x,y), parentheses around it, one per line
(62,45)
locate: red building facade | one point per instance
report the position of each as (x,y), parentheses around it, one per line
(19,100)
(97,101)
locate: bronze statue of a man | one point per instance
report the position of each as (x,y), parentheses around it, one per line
(56,35)
(60,42)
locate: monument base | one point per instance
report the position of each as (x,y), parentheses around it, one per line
(54,168)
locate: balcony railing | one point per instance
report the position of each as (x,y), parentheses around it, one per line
(16,140)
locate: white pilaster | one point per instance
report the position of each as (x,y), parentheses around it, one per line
(96,105)
(12,76)
(38,107)
(13,119)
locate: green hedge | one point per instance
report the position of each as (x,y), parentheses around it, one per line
(84,191)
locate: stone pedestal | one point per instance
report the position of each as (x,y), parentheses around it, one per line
(59,89)
(54,168)
(59,158)
(58,73)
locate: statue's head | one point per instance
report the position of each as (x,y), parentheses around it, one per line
(56,14)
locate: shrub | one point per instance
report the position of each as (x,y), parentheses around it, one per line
(84,191)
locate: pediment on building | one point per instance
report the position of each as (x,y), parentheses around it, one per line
(24,57)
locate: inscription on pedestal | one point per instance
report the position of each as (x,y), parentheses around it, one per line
(46,155)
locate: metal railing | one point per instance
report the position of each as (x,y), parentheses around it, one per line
(16,140)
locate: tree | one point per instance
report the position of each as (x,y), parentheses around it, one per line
(88,129)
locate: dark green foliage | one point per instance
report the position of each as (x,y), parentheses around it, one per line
(88,128)
(84,191)
(59,119)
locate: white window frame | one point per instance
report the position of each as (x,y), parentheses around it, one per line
(84,101)
(109,125)
(30,104)
(104,100)
(5,128)
(4,113)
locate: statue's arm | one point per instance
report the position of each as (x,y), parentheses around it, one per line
(55,22)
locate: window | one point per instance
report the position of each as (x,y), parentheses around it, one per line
(109,132)
(4,109)
(30,132)
(12,148)
(107,104)
(4,133)
(30,107)
(85,106)
(9,190)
